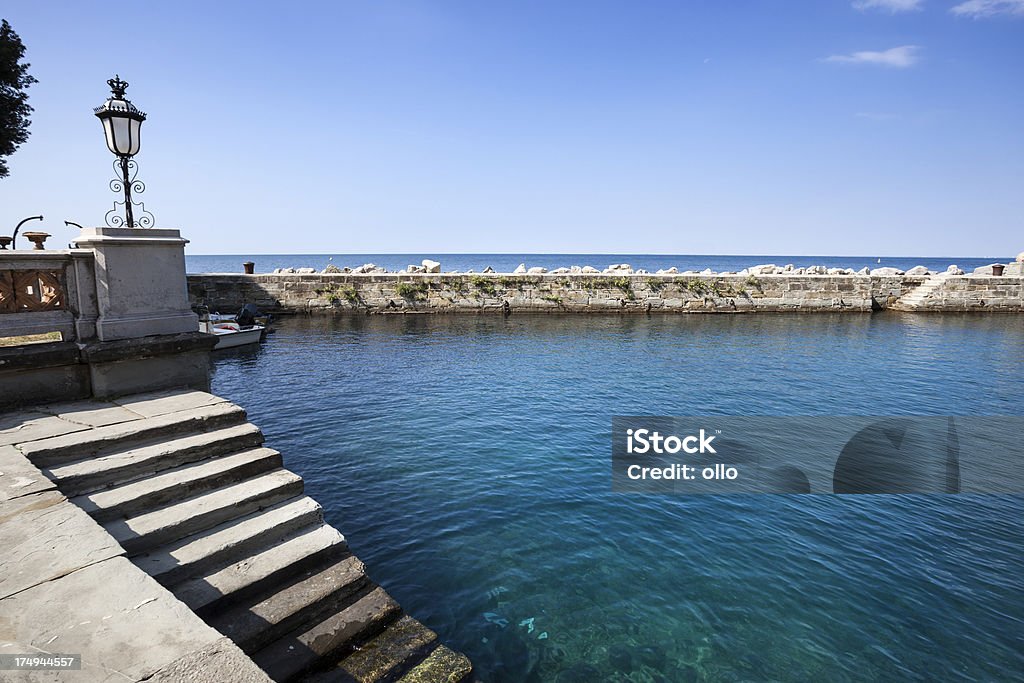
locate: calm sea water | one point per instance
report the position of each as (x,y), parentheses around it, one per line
(467,460)
(506,263)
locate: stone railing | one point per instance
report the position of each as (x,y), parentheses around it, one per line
(117,301)
(51,291)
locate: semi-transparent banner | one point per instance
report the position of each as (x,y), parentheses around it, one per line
(716,454)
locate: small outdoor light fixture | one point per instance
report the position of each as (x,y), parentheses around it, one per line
(122,124)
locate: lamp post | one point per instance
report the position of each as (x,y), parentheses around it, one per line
(122,124)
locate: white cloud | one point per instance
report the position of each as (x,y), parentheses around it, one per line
(977,9)
(896,57)
(893,6)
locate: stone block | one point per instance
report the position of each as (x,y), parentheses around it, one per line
(123,620)
(44,537)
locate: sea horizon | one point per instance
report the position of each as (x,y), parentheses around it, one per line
(507,262)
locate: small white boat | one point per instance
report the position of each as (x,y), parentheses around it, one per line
(230,334)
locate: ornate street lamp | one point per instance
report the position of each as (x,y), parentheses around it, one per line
(122,123)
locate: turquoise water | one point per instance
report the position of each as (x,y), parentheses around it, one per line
(467,460)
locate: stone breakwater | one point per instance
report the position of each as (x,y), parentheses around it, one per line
(779,290)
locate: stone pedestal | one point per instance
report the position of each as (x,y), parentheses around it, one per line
(140,282)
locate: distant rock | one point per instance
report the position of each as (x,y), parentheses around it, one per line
(619,269)
(537,270)
(575,269)
(589,269)
(668,271)
(560,271)
(641,271)
(365,268)
(488,269)
(412,268)
(431,266)
(954,270)
(864,271)
(305,271)
(840,271)
(1020,257)
(800,271)
(788,268)
(816,270)
(886,272)
(986,270)
(763,269)
(917,271)
(331,268)
(707,271)
(520,269)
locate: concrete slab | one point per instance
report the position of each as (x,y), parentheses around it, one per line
(96,440)
(177,483)
(119,619)
(188,557)
(204,590)
(193,515)
(90,413)
(32,426)
(442,665)
(403,641)
(44,537)
(164,402)
(19,477)
(216,663)
(288,657)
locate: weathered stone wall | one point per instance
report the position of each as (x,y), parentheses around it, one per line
(976,293)
(549,293)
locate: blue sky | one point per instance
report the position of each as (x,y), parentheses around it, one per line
(889,127)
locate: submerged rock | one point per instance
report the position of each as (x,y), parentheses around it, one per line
(581,672)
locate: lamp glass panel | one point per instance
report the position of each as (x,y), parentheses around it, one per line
(108,132)
(134,128)
(121,133)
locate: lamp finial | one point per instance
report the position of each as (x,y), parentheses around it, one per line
(117,86)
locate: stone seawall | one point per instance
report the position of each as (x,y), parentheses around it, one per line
(586,293)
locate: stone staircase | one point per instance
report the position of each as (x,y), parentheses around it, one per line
(198,503)
(915,298)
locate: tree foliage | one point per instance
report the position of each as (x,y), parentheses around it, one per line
(14,107)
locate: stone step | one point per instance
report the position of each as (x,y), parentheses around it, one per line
(211,592)
(384,658)
(110,470)
(315,594)
(124,435)
(440,665)
(229,542)
(175,521)
(292,656)
(177,483)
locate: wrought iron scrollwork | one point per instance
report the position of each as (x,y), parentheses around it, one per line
(128,182)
